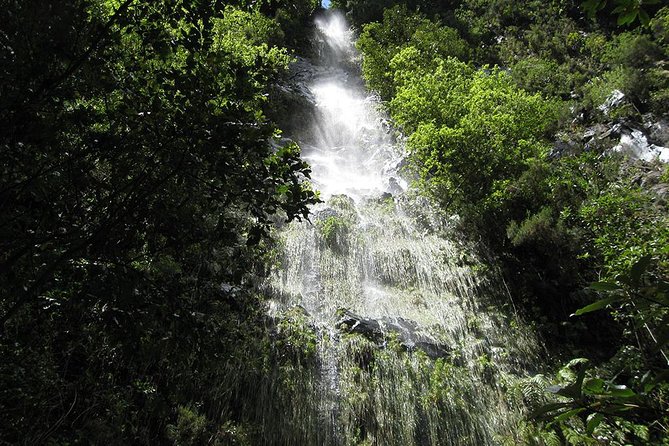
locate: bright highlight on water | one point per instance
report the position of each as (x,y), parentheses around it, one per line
(412,348)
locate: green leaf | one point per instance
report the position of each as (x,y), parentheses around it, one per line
(643,17)
(621,392)
(638,269)
(573,390)
(596,306)
(592,6)
(568,414)
(543,410)
(627,18)
(662,377)
(593,421)
(604,286)
(594,386)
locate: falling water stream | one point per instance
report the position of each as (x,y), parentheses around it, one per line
(414,344)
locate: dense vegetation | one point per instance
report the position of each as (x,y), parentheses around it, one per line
(139,183)
(502,103)
(141,178)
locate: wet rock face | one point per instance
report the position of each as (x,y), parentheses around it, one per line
(645,139)
(635,144)
(378,331)
(647,142)
(324,214)
(294,103)
(615,100)
(350,322)
(563,148)
(657,130)
(650,178)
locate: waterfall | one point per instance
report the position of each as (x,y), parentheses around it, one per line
(412,341)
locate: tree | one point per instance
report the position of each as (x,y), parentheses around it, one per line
(381,41)
(139,184)
(470,131)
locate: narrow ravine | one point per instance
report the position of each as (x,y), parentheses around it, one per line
(416,343)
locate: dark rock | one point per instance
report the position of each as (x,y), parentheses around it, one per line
(352,323)
(615,130)
(380,198)
(596,130)
(563,148)
(378,331)
(615,100)
(652,178)
(394,186)
(658,133)
(432,349)
(661,191)
(324,214)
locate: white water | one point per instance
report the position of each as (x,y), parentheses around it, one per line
(388,263)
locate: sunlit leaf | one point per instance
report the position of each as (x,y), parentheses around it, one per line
(626,18)
(543,410)
(568,414)
(643,17)
(594,386)
(604,286)
(595,306)
(621,392)
(594,420)
(638,269)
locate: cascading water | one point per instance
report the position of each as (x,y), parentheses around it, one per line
(410,345)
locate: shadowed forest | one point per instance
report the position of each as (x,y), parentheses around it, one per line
(180,262)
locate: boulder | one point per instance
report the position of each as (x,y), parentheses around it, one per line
(658,132)
(615,100)
(596,130)
(635,145)
(378,330)
(350,322)
(394,186)
(324,214)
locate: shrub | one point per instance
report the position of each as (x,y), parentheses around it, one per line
(624,225)
(630,50)
(660,26)
(545,76)
(380,42)
(625,79)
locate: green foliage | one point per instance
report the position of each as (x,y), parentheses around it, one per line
(336,229)
(627,11)
(470,130)
(335,232)
(537,75)
(191,428)
(361,12)
(665,175)
(634,411)
(380,42)
(660,26)
(293,16)
(139,185)
(538,227)
(478,140)
(631,49)
(594,408)
(628,64)
(297,337)
(625,225)
(627,80)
